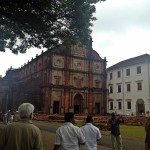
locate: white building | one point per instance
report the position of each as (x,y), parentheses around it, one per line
(128,83)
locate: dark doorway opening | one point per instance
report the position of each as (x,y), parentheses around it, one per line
(140,107)
(56,107)
(78,104)
(97,108)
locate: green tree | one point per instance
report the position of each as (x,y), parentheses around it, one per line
(44,23)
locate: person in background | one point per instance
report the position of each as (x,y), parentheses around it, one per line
(116,138)
(5,118)
(147,137)
(1,116)
(9,116)
(92,135)
(22,135)
(68,136)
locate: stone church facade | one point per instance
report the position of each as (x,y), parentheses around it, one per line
(62,79)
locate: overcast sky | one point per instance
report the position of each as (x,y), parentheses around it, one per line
(122,31)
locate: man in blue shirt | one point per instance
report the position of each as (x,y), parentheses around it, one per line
(115,131)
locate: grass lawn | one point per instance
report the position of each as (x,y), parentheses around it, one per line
(133,132)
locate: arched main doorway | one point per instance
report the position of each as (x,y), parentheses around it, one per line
(78,104)
(140,107)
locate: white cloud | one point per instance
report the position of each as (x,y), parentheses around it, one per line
(8,59)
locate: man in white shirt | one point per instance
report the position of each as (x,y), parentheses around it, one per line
(92,135)
(68,136)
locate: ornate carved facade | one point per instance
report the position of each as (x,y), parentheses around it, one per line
(59,80)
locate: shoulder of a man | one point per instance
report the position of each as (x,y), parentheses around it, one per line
(76,127)
(95,127)
(82,127)
(35,128)
(73,126)
(31,126)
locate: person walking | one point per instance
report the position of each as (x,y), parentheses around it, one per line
(22,135)
(5,118)
(116,138)
(68,136)
(9,116)
(92,135)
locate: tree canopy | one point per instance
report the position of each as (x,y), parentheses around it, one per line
(44,23)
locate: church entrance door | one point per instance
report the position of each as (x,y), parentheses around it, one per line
(140,107)
(78,104)
(56,107)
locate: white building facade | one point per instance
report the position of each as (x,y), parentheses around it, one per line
(128,83)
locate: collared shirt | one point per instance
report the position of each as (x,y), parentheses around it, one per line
(69,137)
(22,135)
(92,134)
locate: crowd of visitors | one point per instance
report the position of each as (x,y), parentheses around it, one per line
(23,135)
(7,117)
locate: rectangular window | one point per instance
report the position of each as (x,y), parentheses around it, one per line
(127,72)
(119,74)
(138,69)
(128,87)
(111,75)
(128,104)
(139,86)
(119,105)
(111,89)
(111,105)
(119,88)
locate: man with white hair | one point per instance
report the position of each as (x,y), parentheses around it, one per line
(22,135)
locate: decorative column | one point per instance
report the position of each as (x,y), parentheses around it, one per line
(85,102)
(70,104)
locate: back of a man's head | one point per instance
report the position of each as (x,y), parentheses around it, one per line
(25,110)
(69,117)
(113,115)
(89,119)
